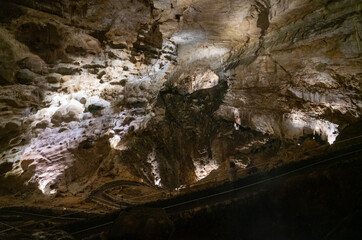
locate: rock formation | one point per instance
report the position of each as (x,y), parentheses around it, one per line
(167,92)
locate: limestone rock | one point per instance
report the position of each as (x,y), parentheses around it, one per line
(34,64)
(197,81)
(42,124)
(66,70)
(68,113)
(121,33)
(25,76)
(10,52)
(54,78)
(95,105)
(168,92)
(81,44)
(44,39)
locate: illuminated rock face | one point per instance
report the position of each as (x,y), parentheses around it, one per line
(169,91)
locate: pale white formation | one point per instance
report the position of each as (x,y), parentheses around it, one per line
(152,160)
(298,123)
(204,166)
(204,81)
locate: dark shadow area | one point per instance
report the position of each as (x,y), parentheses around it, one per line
(323,203)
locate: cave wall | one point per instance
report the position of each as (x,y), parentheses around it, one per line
(168,92)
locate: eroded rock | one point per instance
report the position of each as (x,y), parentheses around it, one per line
(34,64)
(68,113)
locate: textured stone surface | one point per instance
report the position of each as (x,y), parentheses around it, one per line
(167,92)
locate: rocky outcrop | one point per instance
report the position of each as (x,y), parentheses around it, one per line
(168,92)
